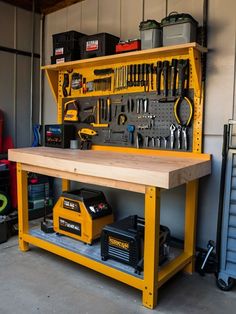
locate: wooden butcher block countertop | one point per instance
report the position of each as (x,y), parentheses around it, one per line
(161,170)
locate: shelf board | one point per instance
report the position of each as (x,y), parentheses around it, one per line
(93,251)
(127,56)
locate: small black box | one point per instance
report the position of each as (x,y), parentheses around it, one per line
(59,135)
(98,45)
(71,56)
(3,229)
(4,180)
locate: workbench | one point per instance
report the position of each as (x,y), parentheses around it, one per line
(142,171)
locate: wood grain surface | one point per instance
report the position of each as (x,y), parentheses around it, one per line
(161,171)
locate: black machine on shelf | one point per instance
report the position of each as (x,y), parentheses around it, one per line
(123,241)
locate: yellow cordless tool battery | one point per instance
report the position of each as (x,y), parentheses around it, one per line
(81,214)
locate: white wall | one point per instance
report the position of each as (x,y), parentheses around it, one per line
(122,18)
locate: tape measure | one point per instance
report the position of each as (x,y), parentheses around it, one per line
(4,203)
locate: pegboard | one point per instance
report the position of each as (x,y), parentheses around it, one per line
(152,125)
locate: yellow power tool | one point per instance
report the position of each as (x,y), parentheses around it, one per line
(85,136)
(71,111)
(81,214)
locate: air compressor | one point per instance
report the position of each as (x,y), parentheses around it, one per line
(82,214)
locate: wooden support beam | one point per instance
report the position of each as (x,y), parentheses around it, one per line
(52,6)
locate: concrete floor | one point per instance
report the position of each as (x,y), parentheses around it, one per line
(40,282)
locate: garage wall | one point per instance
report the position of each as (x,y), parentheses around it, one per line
(16,28)
(122,18)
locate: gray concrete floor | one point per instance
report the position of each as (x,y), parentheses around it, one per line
(40,282)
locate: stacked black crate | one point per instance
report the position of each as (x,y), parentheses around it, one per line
(66,47)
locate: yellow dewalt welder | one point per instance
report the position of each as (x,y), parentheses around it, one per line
(81,214)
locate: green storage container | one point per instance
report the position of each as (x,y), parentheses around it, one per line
(151,34)
(179,28)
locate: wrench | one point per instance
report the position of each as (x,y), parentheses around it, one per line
(153,142)
(165,141)
(172,135)
(145,105)
(146,141)
(179,129)
(184,131)
(159,141)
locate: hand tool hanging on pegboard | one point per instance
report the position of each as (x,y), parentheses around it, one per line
(182,100)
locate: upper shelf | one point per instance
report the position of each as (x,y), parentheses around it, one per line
(178,49)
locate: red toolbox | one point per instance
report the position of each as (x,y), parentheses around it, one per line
(129,45)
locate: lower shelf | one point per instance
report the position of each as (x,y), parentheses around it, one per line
(90,251)
(93,251)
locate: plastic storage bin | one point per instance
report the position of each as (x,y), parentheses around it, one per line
(98,45)
(179,29)
(66,42)
(151,34)
(66,46)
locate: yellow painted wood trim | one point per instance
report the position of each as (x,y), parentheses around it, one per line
(65,185)
(85,261)
(152,152)
(191,221)
(141,54)
(52,78)
(151,246)
(172,268)
(23,213)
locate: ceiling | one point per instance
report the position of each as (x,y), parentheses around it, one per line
(42,6)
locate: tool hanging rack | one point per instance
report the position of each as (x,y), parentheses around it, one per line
(148,99)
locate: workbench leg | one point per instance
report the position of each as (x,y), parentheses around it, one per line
(23,214)
(191,223)
(151,246)
(65,185)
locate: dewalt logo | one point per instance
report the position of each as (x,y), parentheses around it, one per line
(118,243)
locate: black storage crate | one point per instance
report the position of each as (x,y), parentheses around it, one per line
(66,47)
(59,135)
(71,56)
(98,45)
(71,37)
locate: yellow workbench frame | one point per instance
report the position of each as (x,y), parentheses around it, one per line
(152,278)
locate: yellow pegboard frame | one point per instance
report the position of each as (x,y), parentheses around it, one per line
(86,67)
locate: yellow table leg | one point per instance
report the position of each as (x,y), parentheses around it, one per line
(23,215)
(151,246)
(190,223)
(65,185)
